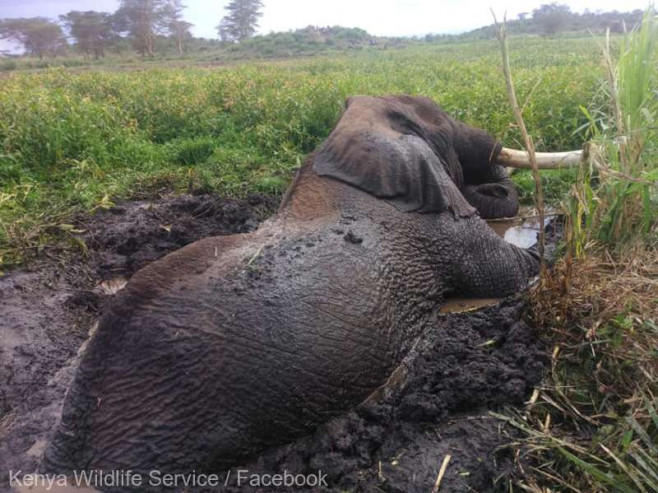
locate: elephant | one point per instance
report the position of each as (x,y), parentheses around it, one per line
(237,343)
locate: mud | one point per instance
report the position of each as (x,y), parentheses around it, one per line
(127,237)
(47,310)
(479,358)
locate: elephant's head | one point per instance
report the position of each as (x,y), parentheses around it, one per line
(408,151)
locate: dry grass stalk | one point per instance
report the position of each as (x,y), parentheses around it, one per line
(530,147)
(442,471)
(616,106)
(604,373)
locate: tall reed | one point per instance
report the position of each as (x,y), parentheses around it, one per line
(615,199)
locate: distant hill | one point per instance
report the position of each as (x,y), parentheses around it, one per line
(307,41)
(570,22)
(549,19)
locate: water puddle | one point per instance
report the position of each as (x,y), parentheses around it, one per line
(520,231)
(462,305)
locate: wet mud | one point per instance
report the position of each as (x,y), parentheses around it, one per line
(479,358)
(48,309)
(127,237)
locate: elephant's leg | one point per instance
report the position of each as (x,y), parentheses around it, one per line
(489,266)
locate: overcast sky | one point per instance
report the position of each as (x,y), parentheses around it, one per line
(378,17)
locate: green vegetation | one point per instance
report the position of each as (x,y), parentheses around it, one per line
(308,41)
(76,141)
(92,51)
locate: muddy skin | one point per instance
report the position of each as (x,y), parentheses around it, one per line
(47,310)
(480,357)
(447,389)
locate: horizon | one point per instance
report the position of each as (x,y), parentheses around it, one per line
(394,18)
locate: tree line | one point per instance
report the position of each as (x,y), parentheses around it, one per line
(140,22)
(155,25)
(553,18)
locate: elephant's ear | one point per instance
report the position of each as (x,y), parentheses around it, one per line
(380,146)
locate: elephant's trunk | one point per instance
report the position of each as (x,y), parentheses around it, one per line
(545,160)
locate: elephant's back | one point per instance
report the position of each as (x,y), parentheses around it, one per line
(227,346)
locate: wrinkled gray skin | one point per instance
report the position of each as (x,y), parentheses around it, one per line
(236,343)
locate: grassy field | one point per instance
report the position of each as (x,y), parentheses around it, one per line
(73,141)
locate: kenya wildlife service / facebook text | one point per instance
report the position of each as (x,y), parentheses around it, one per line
(156,478)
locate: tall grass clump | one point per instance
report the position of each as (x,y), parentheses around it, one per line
(618,192)
(593,425)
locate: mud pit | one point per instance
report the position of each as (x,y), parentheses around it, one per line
(436,404)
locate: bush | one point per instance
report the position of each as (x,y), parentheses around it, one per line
(193,151)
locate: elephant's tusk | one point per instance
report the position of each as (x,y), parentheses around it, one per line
(545,160)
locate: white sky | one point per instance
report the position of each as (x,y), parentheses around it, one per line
(378,17)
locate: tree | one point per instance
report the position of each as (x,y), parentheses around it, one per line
(551,17)
(38,35)
(142,20)
(91,30)
(176,26)
(241,21)
(225,30)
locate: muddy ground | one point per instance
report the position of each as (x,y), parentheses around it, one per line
(438,404)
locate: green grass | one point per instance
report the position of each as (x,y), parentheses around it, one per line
(555,184)
(72,141)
